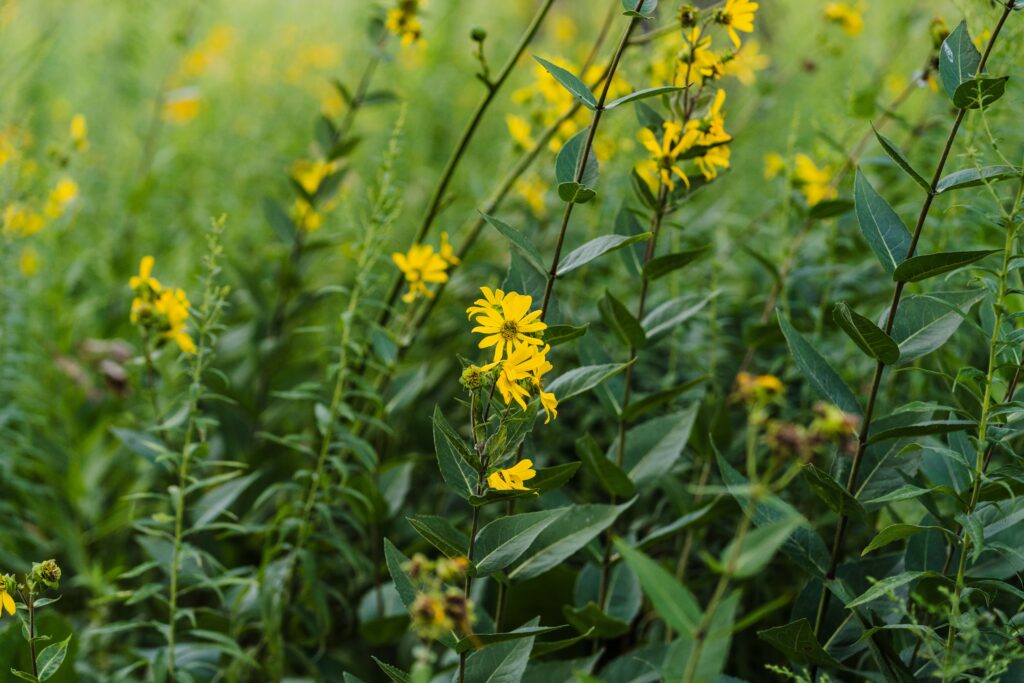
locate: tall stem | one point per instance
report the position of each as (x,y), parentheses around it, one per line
(851,482)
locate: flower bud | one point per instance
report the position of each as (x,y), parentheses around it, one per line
(472,378)
(478,34)
(688,15)
(46,572)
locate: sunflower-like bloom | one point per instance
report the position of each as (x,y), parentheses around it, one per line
(171,309)
(699,62)
(737,15)
(548,401)
(506,322)
(420,265)
(144,284)
(521,364)
(815,183)
(746,62)
(662,162)
(512,479)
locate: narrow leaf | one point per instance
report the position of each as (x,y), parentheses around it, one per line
(599,246)
(929,265)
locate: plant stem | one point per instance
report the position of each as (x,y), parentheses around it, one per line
(474,527)
(840,535)
(32,630)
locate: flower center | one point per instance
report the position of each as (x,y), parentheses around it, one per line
(510,330)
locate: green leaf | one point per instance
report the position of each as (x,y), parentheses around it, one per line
(832,492)
(647,7)
(599,246)
(674,312)
(897,532)
(925,322)
(590,619)
(866,335)
(452,456)
(582,379)
(517,240)
(758,547)
(663,265)
(575,193)
(503,662)
(978,93)
(666,451)
(621,321)
(925,266)
(894,152)
(829,208)
(574,85)
(823,379)
(501,542)
(713,656)
(659,398)
(579,525)
(394,559)
(796,640)
(279,220)
(643,94)
(924,428)
(973,177)
(568,160)
(50,659)
(958,59)
(440,533)
(612,478)
(672,601)
(888,585)
(478,641)
(392,672)
(560,334)
(885,233)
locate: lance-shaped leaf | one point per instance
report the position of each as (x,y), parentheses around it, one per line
(673,602)
(453,457)
(501,542)
(570,82)
(560,334)
(643,405)
(897,532)
(866,335)
(978,93)
(567,163)
(885,233)
(973,177)
(832,492)
(599,246)
(758,547)
(797,642)
(502,661)
(519,241)
(896,155)
(925,322)
(825,381)
(929,265)
(612,478)
(663,265)
(889,585)
(479,641)
(958,59)
(579,380)
(621,321)
(644,94)
(923,428)
(440,533)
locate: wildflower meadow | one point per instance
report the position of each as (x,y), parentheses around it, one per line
(433,341)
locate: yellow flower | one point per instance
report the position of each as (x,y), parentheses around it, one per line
(737,15)
(446,251)
(815,183)
(144,283)
(746,62)
(182,105)
(755,388)
(519,129)
(548,401)
(420,265)
(698,60)
(21,220)
(402,21)
(172,308)
(512,479)
(79,131)
(7,602)
(713,159)
(518,366)
(507,323)
(662,162)
(847,16)
(28,261)
(310,173)
(305,217)
(774,164)
(63,193)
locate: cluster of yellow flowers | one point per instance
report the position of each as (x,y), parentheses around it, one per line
(24,218)
(847,16)
(815,183)
(421,265)
(512,479)
(520,355)
(309,174)
(439,608)
(158,309)
(403,21)
(183,102)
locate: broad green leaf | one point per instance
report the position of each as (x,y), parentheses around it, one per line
(885,233)
(897,532)
(517,240)
(796,640)
(832,492)
(639,8)
(585,378)
(672,601)
(894,152)
(958,59)
(674,312)
(579,525)
(451,457)
(440,533)
(279,220)
(758,547)
(925,266)
(665,452)
(663,265)
(392,672)
(866,335)
(816,370)
(888,585)
(50,659)
(978,93)
(560,334)
(925,322)
(590,619)
(501,542)
(570,82)
(639,407)
(478,641)
(394,559)
(714,654)
(923,428)
(643,94)
(503,662)
(599,246)
(829,208)
(973,177)
(575,193)
(621,321)
(612,478)
(568,160)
